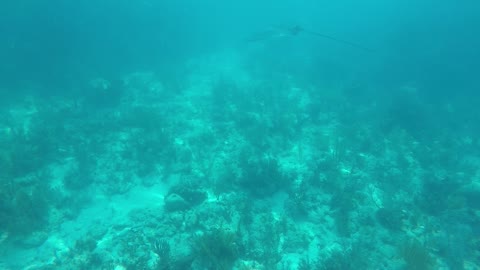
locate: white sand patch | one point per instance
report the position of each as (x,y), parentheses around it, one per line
(101,214)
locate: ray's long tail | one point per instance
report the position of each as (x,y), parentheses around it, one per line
(352,44)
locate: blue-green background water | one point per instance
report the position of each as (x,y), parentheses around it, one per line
(207,135)
(434,42)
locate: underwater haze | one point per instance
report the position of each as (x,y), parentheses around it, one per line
(244,135)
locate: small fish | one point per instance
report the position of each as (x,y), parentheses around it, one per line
(269,34)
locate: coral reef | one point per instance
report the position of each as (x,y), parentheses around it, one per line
(233,169)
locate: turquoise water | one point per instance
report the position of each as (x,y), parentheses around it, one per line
(307,135)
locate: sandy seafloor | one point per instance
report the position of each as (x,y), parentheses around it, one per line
(224,168)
